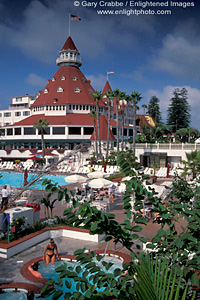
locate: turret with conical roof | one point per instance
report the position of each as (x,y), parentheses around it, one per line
(107,88)
(69,55)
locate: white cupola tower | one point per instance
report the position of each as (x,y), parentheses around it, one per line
(69,55)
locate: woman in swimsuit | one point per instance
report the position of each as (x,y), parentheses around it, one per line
(49,251)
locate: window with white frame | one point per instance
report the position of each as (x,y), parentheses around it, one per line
(62,78)
(60,89)
(26,113)
(7,114)
(77,90)
(17,113)
(46,91)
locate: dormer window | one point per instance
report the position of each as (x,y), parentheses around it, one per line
(74,78)
(62,78)
(77,90)
(60,89)
(46,91)
(53,79)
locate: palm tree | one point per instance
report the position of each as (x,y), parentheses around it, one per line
(93,115)
(192,164)
(116,93)
(155,279)
(110,97)
(51,207)
(144,106)
(136,97)
(125,99)
(97,97)
(41,125)
(46,202)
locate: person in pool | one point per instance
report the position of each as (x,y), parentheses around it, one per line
(49,251)
(34,270)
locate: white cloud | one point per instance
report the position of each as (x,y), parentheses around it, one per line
(167,93)
(179,53)
(35,80)
(97,82)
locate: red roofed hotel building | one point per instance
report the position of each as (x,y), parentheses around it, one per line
(65,103)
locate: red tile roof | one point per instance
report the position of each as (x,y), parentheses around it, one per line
(69,44)
(68,96)
(104,129)
(69,119)
(106,88)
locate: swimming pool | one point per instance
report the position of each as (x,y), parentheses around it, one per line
(13,296)
(48,271)
(21,295)
(17,180)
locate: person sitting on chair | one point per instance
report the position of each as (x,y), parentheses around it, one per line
(49,251)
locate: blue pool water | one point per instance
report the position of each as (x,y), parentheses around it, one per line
(13,296)
(17,180)
(49,272)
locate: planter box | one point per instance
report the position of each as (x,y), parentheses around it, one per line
(15,247)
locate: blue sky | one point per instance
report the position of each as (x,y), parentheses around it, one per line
(153,54)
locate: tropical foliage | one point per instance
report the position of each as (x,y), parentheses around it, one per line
(187,135)
(93,115)
(192,164)
(97,97)
(170,270)
(110,97)
(41,125)
(117,94)
(135,98)
(158,133)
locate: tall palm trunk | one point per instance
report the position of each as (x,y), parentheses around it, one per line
(108,135)
(134,125)
(122,141)
(98,129)
(42,141)
(117,120)
(95,137)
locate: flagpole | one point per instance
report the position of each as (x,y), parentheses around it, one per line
(109,73)
(69,22)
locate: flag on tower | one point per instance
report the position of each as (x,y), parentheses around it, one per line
(110,72)
(75,18)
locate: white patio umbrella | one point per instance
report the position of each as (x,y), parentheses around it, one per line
(100,183)
(75,178)
(96,174)
(127,178)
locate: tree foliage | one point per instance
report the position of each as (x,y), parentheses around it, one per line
(97,97)
(167,273)
(41,124)
(192,164)
(156,133)
(135,98)
(187,135)
(154,109)
(179,110)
